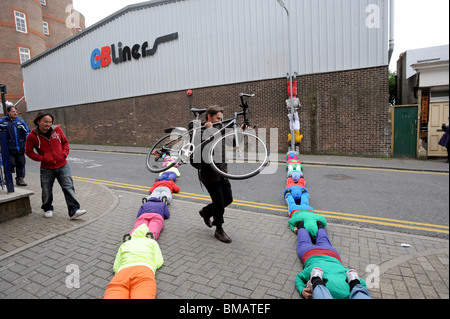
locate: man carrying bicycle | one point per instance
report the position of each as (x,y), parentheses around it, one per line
(219,187)
(223,152)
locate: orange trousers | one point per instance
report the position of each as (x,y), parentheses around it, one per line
(134,282)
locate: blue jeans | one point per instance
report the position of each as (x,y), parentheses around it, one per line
(64,177)
(358,292)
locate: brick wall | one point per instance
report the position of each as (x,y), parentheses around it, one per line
(342,113)
(346,112)
(55,15)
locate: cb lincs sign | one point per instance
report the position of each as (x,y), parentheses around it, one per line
(102,57)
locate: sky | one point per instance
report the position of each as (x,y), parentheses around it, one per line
(418,23)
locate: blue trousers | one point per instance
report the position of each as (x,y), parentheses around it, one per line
(303,205)
(64,177)
(358,292)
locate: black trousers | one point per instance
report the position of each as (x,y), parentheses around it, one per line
(221,196)
(18,164)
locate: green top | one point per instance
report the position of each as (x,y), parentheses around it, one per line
(334,276)
(139,251)
(310,220)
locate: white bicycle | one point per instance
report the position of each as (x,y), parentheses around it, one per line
(244,153)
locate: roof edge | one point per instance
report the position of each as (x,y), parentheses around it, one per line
(115,15)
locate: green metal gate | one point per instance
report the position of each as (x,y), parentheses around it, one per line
(405,131)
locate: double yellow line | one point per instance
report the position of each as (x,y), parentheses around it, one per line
(113,184)
(279,208)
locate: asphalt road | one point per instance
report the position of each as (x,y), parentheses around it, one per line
(404,201)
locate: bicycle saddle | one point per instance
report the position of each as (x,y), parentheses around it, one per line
(199,111)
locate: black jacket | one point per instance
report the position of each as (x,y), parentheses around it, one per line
(207,173)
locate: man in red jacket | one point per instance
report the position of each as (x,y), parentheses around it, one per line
(49,145)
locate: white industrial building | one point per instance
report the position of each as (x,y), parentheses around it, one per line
(211,44)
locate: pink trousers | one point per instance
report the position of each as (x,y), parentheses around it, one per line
(154,221)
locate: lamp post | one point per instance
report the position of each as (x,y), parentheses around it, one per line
(291,100)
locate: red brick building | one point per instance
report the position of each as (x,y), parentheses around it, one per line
(28,28)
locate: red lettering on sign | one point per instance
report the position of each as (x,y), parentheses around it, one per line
(105,56)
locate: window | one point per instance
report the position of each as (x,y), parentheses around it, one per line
(24,54)
(44,2)
(21,21)
(45,28)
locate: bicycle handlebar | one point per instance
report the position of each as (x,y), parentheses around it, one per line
(243,113)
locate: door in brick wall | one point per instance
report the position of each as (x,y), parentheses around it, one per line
(405,131)
(438,115)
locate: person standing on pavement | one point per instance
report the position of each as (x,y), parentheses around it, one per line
(445,139)
(48,144)
(218,187)
(16,133)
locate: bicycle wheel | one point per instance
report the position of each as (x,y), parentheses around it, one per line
(242,162)
(169,145)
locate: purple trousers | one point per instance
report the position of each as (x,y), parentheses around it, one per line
(304,242)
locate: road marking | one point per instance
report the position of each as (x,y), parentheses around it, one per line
(336,215)
(376,169)
(94,166)
(304,165)
(83,161)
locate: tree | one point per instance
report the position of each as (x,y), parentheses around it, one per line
(392,87)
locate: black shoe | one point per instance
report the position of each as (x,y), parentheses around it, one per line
(164,199)
(150,235)
(207,220)
(126,237)
(301,224)
(320,224)
(21,182)
(222,236)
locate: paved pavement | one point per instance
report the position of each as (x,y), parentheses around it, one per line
(41,258)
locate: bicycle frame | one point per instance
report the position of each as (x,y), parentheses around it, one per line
(188,149)
(181,143)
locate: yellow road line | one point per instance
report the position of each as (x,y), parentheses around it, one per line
(109,183)
(392,224)
(342,215)
(377,169)
(280,208)
(304,165)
